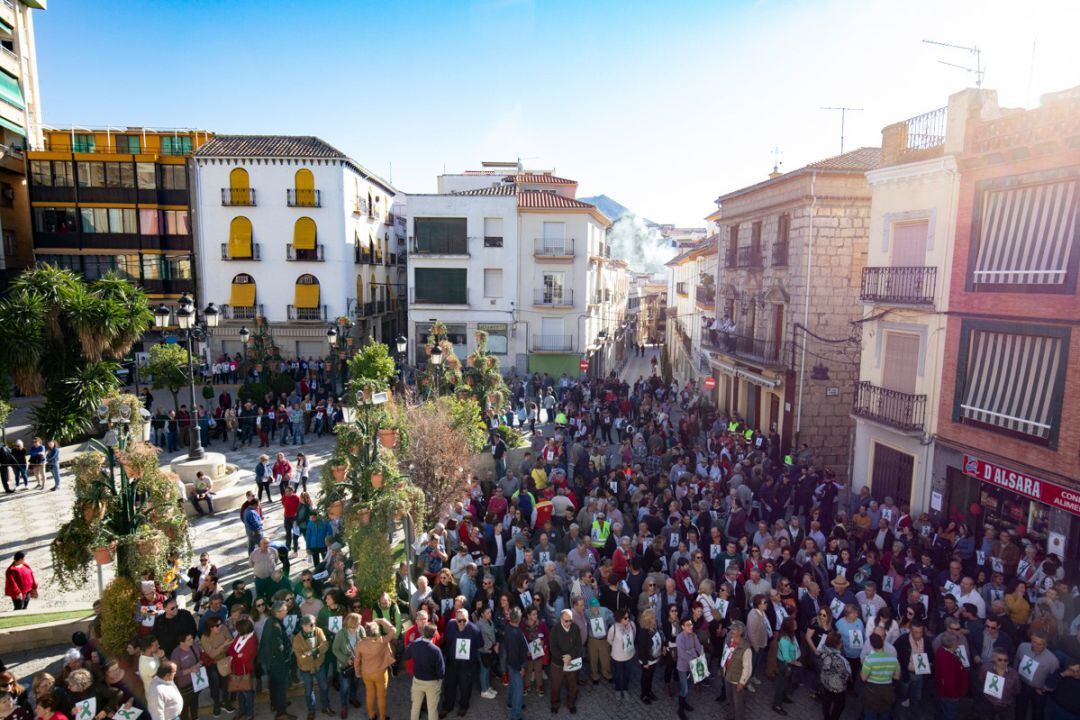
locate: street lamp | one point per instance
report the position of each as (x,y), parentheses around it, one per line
(401,343)
(187,321)
(245,336)
(436,360)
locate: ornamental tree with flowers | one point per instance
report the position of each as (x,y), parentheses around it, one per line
(479,377)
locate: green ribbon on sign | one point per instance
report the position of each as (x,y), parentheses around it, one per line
(994,682)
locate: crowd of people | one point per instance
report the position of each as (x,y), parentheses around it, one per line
(643,542)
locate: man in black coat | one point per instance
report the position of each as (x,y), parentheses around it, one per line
(173,625)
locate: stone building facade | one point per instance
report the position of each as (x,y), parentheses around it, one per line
(784,345)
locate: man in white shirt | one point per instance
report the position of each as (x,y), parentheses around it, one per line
(968,594)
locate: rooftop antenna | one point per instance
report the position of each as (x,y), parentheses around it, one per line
(974,50)
(843,116)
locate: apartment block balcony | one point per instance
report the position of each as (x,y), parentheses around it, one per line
(230,312)
(302,314)
(553,297)
(440,246)
(168,286)
(553,248)
(900,410)
(760,351)
(899,285)
(706,296)
(296,197)
(255,254)
(918,138)
(553,343)
(304,255)
(238,196)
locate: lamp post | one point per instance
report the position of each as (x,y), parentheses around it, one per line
(245,337)
(436,360)
(401,343)
(187,321)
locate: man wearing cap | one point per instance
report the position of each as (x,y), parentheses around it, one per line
(600,620)
(840,589)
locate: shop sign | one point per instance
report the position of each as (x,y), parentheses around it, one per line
(1045,492)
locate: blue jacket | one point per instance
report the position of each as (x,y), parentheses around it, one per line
(253,522)
(316,533)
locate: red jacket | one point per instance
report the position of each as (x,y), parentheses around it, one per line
(950,677)
(290,504)
(283,469)
(19,580)
(242,662)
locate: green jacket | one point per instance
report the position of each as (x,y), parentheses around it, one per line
(275,649)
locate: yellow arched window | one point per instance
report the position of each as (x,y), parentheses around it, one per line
(359,290)
(373,289)
(304,234)
(307,292)
(376,249)
(304,188)
(240,187)
(240,238)
(243,291)
(386,248)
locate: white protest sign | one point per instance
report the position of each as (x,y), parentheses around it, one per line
(461,649)
(837,607)
(699,669)
(994,685)
(536,649)
(199,680)
(1028,667)
(126,713)
(961,652)
(572,666)
(922,663)
(887,584)
(596,627)
(86,709)
(334,623)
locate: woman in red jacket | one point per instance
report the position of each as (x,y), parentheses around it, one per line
(242,654)
(19,582)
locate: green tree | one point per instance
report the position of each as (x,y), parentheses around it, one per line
(168,366)
(62,336)
(479,377)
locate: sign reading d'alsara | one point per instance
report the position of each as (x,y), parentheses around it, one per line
(1047,493)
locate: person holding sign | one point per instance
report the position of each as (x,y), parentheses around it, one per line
(1000,684)
(1036,664)
(736,665)
(787,656)
(374,656)
(536,634)
(186,658)
(565,646)
(687,649)
(461,646)
(853,632)
(650,648)
(950,677)
(620,638)
(913,654)
(600,619)
(311,648)
(517,654)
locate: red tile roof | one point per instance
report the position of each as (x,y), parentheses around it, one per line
(865,158)
(302,146)
(539,179)
(492,190)
(539,199)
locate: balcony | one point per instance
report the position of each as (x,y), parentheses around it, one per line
(899,285)
(238,197)
(749,257)
(759,351)
(380,307)
(899,410)
(919,138)
(401,258)
(553,343)
(255,253)
(307,314)
(553,297)
(780,254)
(553,248)
(360,207)
(9,62)
(369,308)
(706,296)
(294,255)
(168,286)
(363,255)
(731,258)
(295,197)
(440,246)
(230,312)
(493,241)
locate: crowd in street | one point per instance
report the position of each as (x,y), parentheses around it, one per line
(642,541)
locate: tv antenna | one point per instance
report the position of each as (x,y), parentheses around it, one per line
(974,50)
(843,117)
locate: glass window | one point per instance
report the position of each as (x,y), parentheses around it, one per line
(54,220)
(173,177)
(62,175)
(147,175)
(128,143)
(176,145)
(148,222)
(41,172)
(91,174)
(94,220)
(66,262)
(152,267)
(112,175)
(498,337)
(175,222)
(178,267)
(83,143)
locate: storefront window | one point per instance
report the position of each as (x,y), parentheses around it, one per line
(498,340)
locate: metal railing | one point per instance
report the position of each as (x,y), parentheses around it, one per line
(749,256)
(315,313)
(448,246)
(360,207)
(557,297)
(780,254)
(255,253)
(303,198)
(363,255)
(230,312)
(759,350)
(553,343)
(238,196)
(401,257)
(299,255)
(493,241)
(927,130)
(380,307)
(553,247)
(899,285)
(899,410)
(731,258)
(706,295)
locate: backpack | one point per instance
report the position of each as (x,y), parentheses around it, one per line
(835,672)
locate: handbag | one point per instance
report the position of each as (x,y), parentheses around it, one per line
(240,683)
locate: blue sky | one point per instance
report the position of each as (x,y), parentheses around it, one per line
(661,105)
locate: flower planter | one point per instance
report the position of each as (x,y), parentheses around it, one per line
(376,480)
(148,546)
(104,555)
(338,472)
(388,437)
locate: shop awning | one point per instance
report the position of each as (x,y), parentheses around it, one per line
(10,92)
(1026,234)
(243,295)
(13,127)
(307,296)
(747,375)
(1010,381)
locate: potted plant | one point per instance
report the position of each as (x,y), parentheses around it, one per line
(388,437)
(105,554)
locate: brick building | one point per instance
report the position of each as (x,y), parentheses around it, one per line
(791,254)
(1008,443)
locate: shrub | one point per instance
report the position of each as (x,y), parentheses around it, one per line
(208,392)
(510,436)
(373,561)
(282,383)
(118,626)
(254,391)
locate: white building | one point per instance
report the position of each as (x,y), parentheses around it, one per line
(517,255)
(289,229)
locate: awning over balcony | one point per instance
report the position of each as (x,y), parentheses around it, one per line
(307,296)
(748,375)
(1010,381)
(243,295)
(1026,234)
(10,92)
(13,127)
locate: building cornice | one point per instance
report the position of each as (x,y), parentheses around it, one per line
(924,169)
